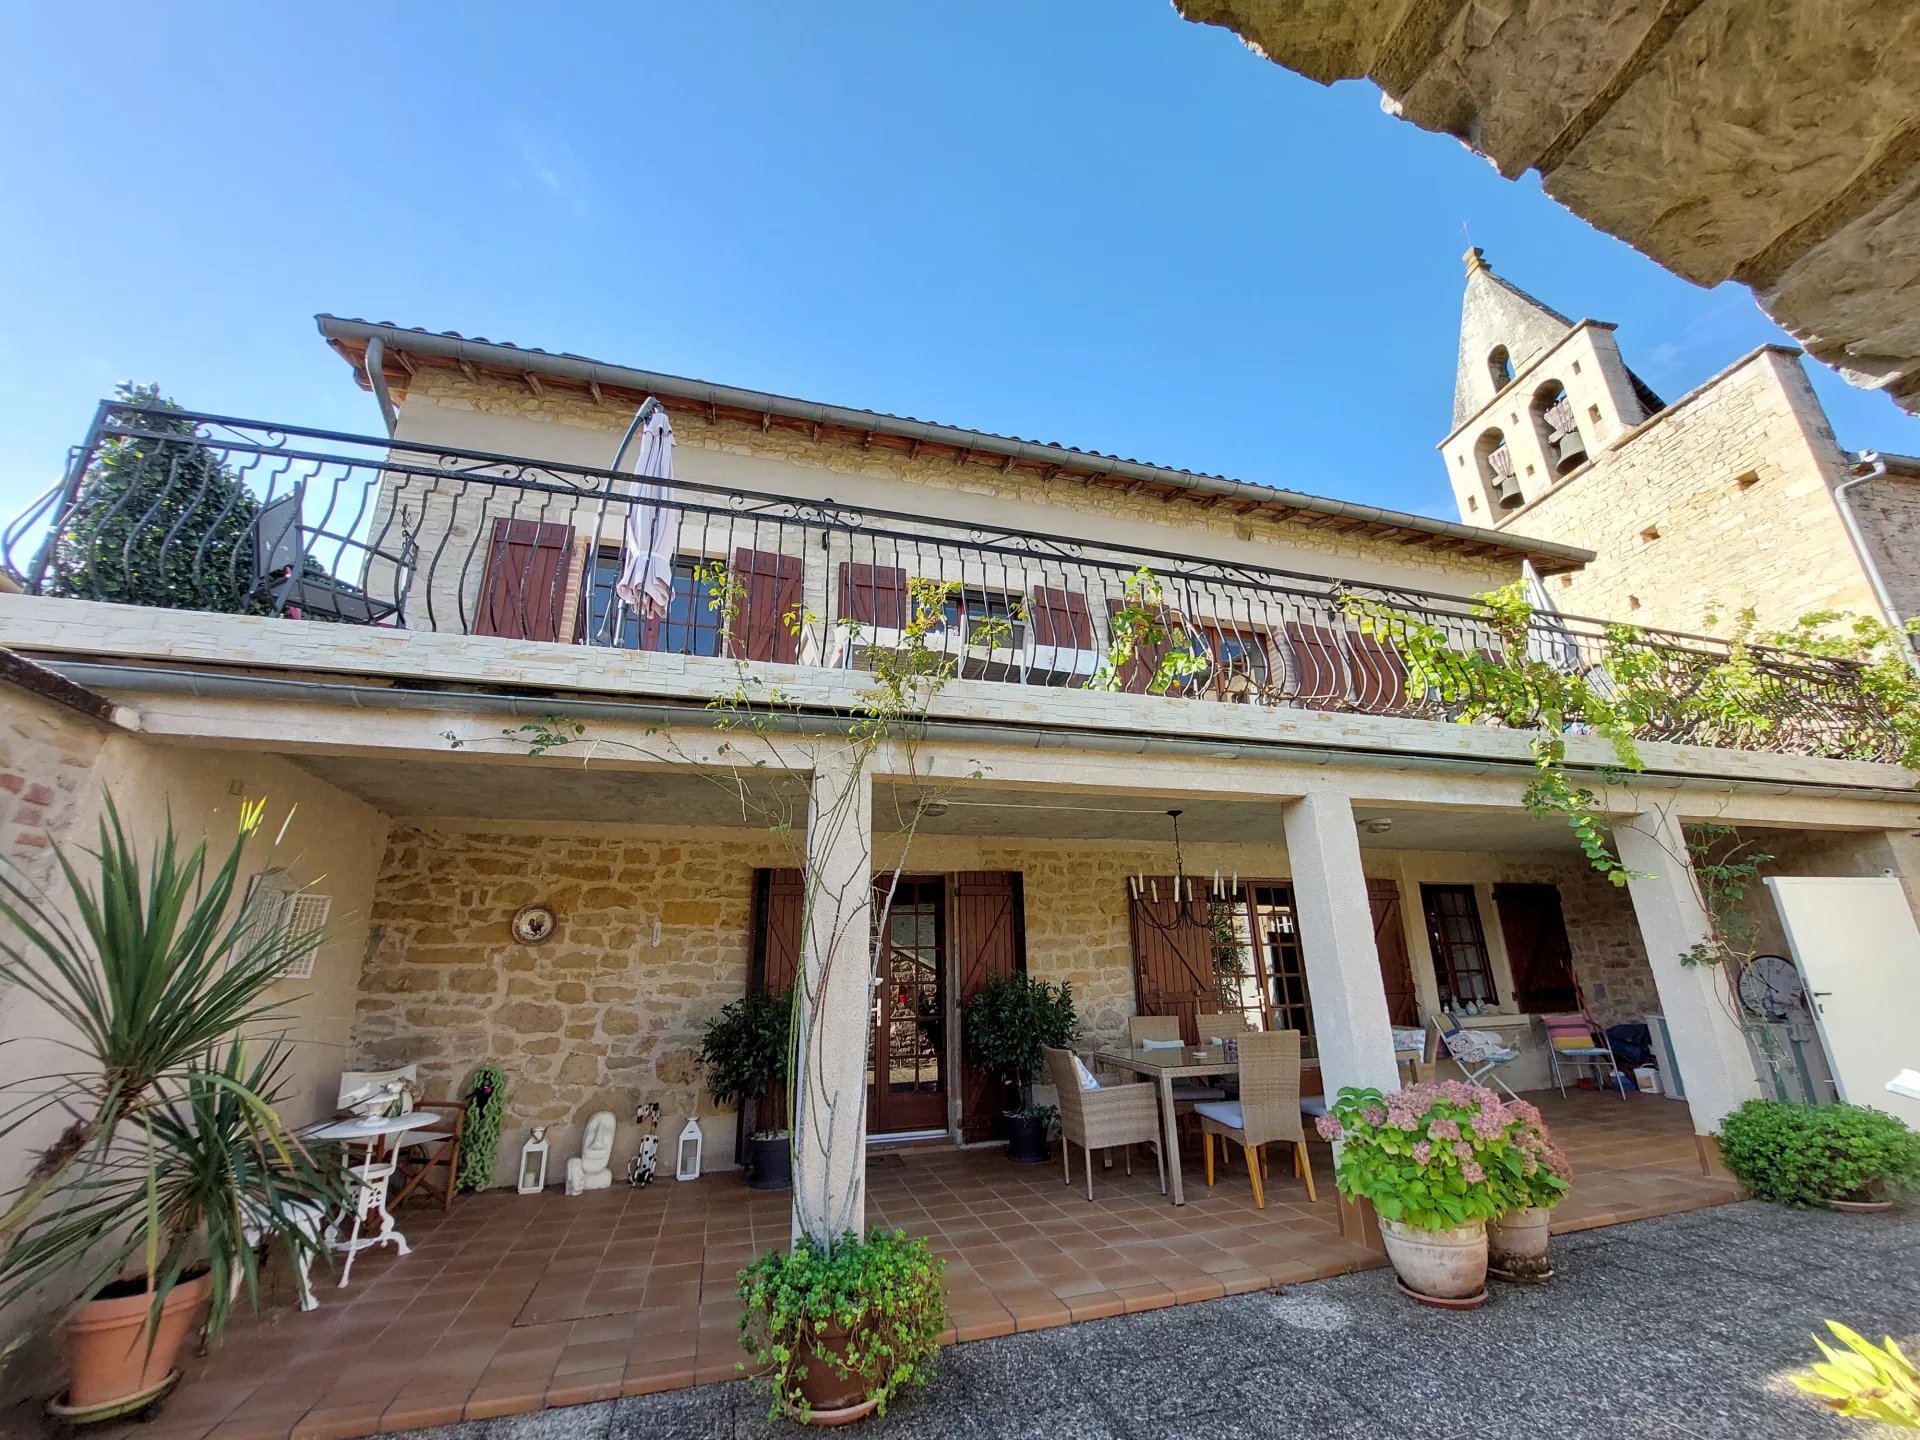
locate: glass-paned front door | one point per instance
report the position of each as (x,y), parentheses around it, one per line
(907,1067)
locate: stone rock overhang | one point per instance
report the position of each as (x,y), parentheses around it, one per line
(406,352)
(1775,145)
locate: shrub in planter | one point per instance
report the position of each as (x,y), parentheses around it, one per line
(149,1204)
(842,1330)
(1818,1154)
(744,1049)
(1437,1162)
(1006,1029)
(1518,1238)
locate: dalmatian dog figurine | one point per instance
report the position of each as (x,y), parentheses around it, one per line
(640,1169)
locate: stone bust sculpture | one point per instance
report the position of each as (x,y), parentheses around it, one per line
(590,1171)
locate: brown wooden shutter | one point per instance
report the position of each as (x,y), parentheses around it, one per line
(1137,674)
(1319,669)
(779,907)
(1536,934)
(1172,957)
(873,596)
(522,592)
(768,593)
(1060,617)
(989,939)
(1390,941)
(1379,676)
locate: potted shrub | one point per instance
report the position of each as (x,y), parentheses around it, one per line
(1007,1028)
(149,1205)
(744,1049)
(1436,1161)
(842,1330)
(1846,1157)
(1519,1239)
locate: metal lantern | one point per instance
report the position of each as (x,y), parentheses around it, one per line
(688,1165)
(533,1163)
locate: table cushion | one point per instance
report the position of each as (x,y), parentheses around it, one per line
(1224,1112)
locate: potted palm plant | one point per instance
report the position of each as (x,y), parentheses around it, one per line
(1007,1029)
(150,1203)
(744,1049)
(1437,1163)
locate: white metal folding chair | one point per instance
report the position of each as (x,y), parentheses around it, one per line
(1575,1042)
(1479,1055)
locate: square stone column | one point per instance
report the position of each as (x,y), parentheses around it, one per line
(1709,1044)
(1336,940)
(836,990)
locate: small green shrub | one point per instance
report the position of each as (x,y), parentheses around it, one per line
(744,1049)
(1810,1154)
(884,1292)
(1010,1023)
(480,1136)
(1867,1381)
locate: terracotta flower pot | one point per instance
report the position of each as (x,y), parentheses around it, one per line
(835,1399)
(1438,1264)
(1517,1245)
(107,1349)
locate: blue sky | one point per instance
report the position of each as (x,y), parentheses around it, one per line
(1086,222)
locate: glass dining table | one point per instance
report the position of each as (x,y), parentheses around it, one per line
(1162,1067)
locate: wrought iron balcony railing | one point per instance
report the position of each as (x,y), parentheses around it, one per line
(203,512)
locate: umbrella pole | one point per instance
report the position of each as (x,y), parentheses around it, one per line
(647,407)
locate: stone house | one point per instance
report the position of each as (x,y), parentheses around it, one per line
(1372,860)
(1736,495)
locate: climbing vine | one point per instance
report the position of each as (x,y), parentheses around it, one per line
(1637,687)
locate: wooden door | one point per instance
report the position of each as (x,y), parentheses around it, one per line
(907,1061)
(1536,934)
(989,939)
(1390,940)
(1172,956)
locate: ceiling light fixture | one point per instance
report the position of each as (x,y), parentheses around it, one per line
(1378,825)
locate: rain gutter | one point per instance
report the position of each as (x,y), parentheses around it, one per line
(704,392)
(206,684)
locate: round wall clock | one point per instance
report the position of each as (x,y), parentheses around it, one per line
(534,923)
(1770,987)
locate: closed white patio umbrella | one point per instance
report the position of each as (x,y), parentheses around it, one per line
(653,524)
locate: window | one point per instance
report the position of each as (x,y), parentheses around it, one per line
(1460,960)
(691,625)
(986,617)
(1500,367)
(1258,971)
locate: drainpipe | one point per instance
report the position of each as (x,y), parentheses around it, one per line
(377,378)
(1870,465)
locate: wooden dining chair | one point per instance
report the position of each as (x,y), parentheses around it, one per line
(1268,1110)
(423,1152)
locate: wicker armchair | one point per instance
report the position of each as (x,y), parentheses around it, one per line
(1167,1027)
(1123,1115)
(1268,1109)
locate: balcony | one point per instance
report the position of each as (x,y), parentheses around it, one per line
(211,513)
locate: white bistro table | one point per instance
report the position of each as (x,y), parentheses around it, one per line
(367,1190)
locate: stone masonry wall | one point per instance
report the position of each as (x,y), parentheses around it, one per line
(46,754)
(1721,501)
(600,1016)
(830,463)
(1889,513)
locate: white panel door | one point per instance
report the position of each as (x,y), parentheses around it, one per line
(1858,952)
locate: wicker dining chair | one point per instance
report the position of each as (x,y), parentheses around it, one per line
(1161,1029)
(1103,1117)
(1268,1110)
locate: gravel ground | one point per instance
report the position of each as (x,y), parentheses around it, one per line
(1673,1329)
